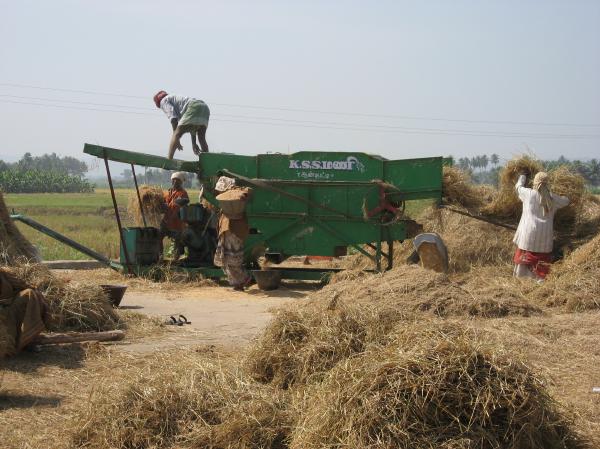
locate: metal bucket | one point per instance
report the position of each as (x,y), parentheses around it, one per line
(267,279)
(115,293)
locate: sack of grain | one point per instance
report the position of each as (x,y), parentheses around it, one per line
(233,202)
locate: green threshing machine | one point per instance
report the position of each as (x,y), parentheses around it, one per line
(311,203)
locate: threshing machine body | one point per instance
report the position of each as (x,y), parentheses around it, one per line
(313,202)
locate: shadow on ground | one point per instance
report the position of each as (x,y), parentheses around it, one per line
(12,401)
(69,356)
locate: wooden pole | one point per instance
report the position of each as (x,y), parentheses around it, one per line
(77,337)
(116,207)
(137,190)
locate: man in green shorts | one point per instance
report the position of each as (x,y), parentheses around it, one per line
(187,115)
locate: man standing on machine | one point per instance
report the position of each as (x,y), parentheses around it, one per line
(171,225)
(187,115)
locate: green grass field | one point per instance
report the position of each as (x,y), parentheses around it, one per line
(87,218)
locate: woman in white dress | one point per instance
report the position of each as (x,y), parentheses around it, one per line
(535,233)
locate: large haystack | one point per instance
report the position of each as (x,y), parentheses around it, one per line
(301,344)
(574,282)
(14,247)
(432,386)
(188,399)
(152,201)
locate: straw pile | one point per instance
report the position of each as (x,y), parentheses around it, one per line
(575,282)
(564,182)
(14,247)
(302,343)
(431,386)
(506,203)
(152,202)
(189,400)
(72,306)
(589,220)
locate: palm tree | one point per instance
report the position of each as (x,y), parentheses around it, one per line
(495,159)
(484,161)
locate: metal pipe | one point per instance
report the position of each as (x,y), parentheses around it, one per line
(137,190)
(114,200)
(64,239)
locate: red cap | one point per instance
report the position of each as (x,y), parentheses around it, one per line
(158,97)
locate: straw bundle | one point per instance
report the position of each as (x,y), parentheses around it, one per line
(301,344)
(564,182)
(459,190)
(432,386)
(195,402)
(589,220)
(14,247)
(72,306)
(575,282)
(506,204)
(152,201)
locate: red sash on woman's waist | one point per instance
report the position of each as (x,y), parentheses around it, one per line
(538,262)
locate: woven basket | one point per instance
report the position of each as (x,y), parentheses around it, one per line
(233,203)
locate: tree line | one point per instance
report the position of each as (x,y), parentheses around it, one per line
(48,173)
(485,169)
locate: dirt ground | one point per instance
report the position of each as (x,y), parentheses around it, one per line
(42,393)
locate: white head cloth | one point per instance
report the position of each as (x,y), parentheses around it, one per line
(224,183)
(178,175)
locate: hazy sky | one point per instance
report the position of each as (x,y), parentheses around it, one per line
(397,78)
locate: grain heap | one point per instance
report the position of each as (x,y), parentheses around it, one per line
(152,201)
(431,386)
(303,343)
(428,384)
(575,281)
(14,247)
(198,401)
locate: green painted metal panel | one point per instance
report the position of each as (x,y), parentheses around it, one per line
(146,160)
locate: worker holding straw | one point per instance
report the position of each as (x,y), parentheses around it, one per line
(535,233)
(232,234)
(171,225)
(187,115)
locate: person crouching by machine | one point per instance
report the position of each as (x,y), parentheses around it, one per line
(233,230)
(171,225)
